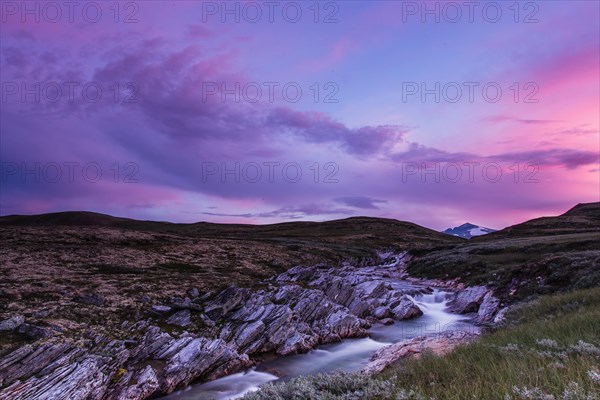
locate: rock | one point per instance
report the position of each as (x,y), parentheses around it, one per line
(382,312)
(197,358)
(297,343)
(346,325)
(298,273)
(360,308)
(488,309)
(405,308)
(33,332)
(468,300)
(161,309)
(204,297)
(64,370)
(90,299)
(373,289)
(146,384)
(180,318)
(226,301)
(77,381)
(327,305)
(12,323)
(439,344)
(287,294)
(500,316)
(178,303)
(184,304)
(41,314)
(207,321)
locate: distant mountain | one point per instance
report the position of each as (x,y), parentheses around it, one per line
(468,230)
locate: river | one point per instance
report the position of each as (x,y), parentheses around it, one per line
(347,355)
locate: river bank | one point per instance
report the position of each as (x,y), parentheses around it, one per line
(436,330)
(294,312)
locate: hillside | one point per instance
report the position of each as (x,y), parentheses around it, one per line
(539,256)
(85,279)
(363,232)
(48,260)
(583,218)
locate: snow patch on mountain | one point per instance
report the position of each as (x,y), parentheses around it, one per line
(468,230)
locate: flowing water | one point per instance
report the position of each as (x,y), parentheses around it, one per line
(347,355)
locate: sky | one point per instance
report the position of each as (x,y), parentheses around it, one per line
(436,113)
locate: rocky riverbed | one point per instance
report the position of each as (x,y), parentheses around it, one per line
(203,336)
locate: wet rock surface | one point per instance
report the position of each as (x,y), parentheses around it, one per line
(203,336)
(477,300)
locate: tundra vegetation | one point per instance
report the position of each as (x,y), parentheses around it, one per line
(548,348)
(102,289)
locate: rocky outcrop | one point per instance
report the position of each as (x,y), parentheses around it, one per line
(468,300)
(12,323)
(106,369)
(180,318)
(479,300)
(488,309)
(438,344)
(205,336)
(368,292)
(289,320)
(202,336)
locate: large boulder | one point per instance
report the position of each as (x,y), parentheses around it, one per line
(468,300)
(488,309)
(405,308)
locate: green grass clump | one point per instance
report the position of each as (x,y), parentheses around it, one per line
(549,349)
(517,268)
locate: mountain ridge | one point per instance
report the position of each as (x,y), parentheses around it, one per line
(468,230)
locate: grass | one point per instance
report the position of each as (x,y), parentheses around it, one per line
(541,256)
(550,349)
(517,268)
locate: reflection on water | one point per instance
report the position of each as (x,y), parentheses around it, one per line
(347,355)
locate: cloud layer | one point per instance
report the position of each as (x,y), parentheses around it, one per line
(171,118)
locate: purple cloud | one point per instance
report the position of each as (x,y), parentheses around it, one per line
(568,158)
(290,212)
(362,202)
